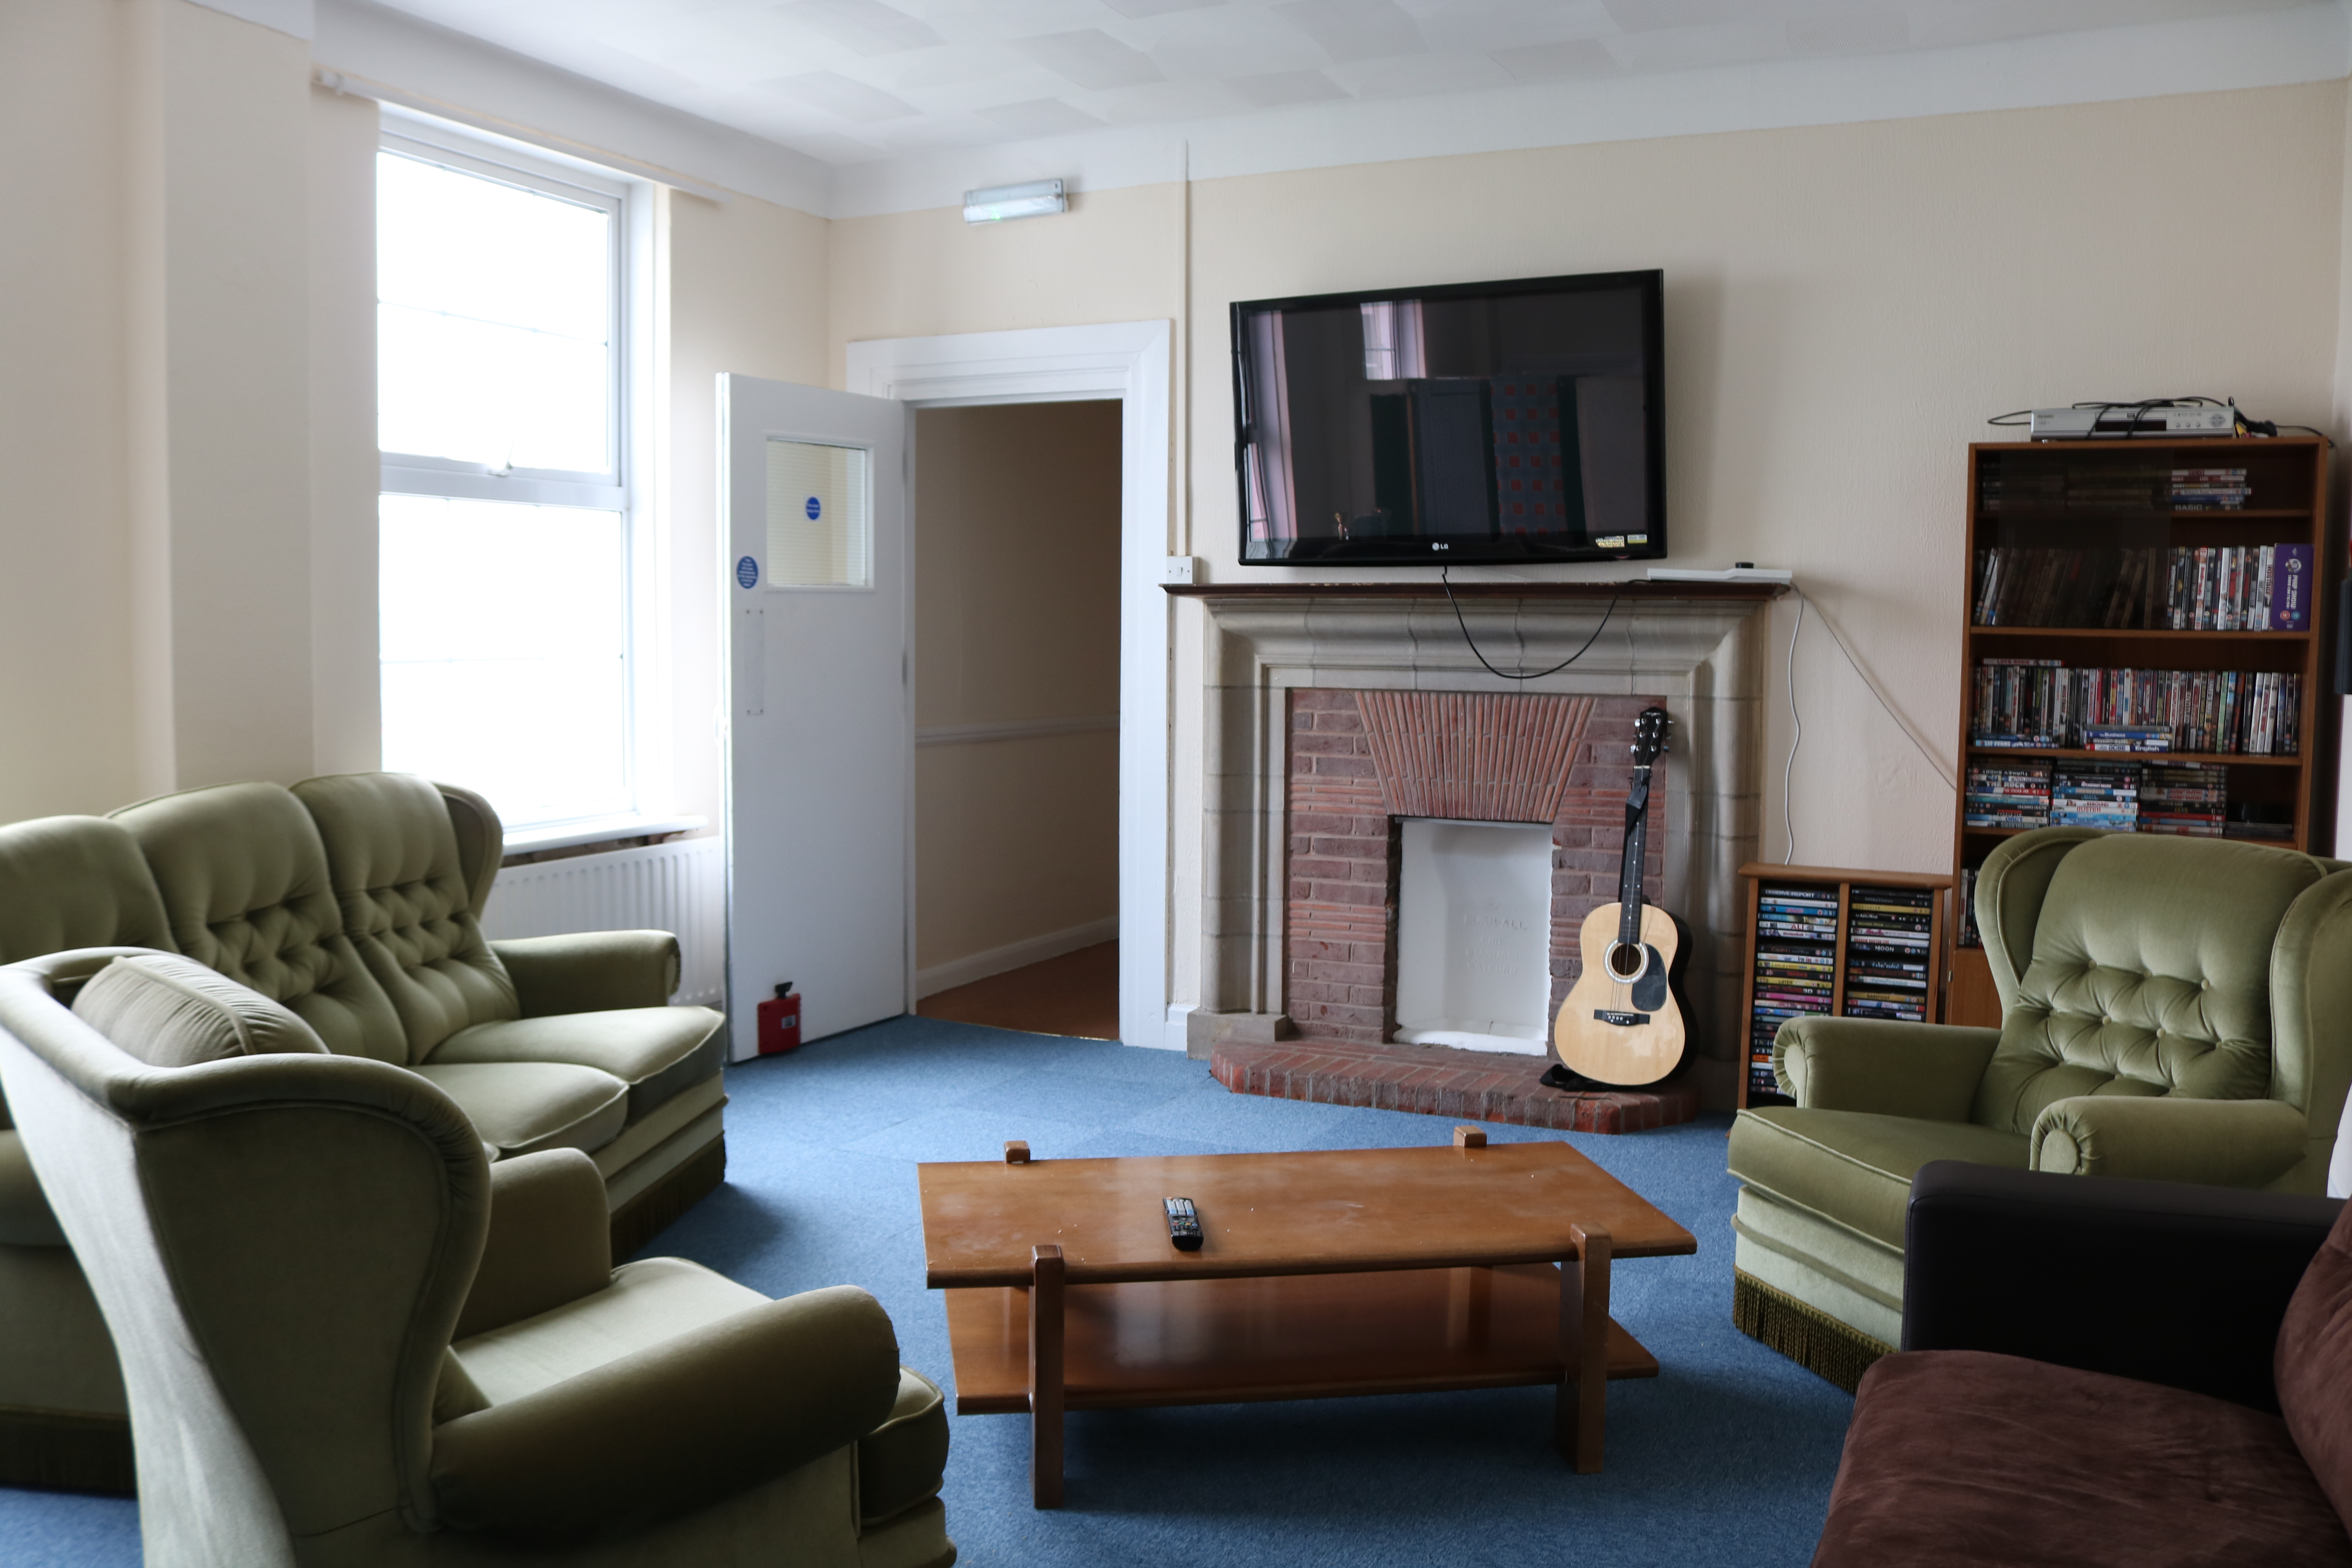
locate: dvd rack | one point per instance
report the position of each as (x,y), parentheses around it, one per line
(1889,953)
(1825,943)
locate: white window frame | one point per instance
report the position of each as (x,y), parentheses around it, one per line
(632,415)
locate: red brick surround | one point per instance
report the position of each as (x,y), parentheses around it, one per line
(1360,760)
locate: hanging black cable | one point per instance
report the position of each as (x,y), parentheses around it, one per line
(1539,674)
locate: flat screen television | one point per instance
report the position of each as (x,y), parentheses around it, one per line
(1491,422)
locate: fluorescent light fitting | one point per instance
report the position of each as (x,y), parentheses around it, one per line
(1039,198)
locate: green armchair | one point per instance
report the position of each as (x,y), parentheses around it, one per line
(2171,1008)
(351,1339)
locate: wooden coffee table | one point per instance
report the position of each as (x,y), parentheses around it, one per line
(1323,1274)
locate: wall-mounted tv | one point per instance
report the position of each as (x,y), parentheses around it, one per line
(1518,421)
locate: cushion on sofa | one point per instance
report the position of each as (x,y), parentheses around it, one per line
(2150,975)
(903,1461)
(1968,1459)
(173,1012)
(75,881)
(1855,1166)
(408,908)
(2312,1363)
(657,1052)
(245,886)
(521,1107)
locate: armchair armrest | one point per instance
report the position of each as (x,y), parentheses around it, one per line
(2221,1143)
(551,1240)
(675,1427)
(2161,1281)
(590,971)
(1926,1071)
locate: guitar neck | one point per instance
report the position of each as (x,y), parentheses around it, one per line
(1628,869)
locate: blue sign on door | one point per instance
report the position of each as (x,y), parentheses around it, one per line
(747,572)
(815,509)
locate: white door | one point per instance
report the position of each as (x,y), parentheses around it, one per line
(820,732)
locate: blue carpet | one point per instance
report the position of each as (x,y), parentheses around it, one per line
(1725,1458)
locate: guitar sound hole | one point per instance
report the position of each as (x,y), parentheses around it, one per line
(1625,961)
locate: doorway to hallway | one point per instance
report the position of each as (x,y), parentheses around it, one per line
(1015,671)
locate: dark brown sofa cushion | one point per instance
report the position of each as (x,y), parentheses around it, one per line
(2313,1364)
(1968,1459)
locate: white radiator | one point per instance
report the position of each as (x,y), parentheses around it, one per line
(676,887)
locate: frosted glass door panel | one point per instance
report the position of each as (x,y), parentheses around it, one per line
(820,515)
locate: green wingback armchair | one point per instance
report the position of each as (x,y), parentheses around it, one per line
(351,1340)
(2173,1009)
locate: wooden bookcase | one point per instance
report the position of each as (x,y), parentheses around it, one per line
(2023,495)
(1840,883)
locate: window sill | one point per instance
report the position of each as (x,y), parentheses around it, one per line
(536,841)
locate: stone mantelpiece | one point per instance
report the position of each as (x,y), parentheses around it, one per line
(1699,643)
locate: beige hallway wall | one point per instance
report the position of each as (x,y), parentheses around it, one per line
(1016,621)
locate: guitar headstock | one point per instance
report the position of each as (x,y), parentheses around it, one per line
(1650,736)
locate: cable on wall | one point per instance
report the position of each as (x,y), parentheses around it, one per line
(1934,763)
(1787,821)
(1506,674)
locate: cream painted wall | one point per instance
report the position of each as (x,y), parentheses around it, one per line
(346,691)
(1016,618)
(748,285)
(1115,255)
(233,242)
(155,615)
(1846,305)
(66,662)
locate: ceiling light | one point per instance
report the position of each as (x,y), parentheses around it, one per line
(1038,199)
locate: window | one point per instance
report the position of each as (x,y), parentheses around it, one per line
(507,558)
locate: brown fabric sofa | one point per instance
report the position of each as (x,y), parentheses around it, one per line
(2148,1374)
(354,900)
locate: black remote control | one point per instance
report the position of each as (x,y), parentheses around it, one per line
(1184,1224)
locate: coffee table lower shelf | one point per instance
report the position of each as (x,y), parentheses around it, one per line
(1293,1336)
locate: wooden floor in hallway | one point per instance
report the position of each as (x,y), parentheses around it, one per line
(1077,993)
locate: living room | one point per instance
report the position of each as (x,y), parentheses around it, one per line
(1877,227)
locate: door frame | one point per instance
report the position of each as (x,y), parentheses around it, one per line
(1128,360)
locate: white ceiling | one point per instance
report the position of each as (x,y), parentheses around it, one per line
(851,81)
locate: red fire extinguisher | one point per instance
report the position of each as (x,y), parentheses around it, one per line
(780,1022)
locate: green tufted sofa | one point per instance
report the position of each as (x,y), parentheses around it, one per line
(354,900)
(2172,1008)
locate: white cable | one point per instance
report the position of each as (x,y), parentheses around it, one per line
(1788,769)
(1935,763)
(1788,823)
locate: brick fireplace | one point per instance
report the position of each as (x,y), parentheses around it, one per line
(1362,760)
(1365,703)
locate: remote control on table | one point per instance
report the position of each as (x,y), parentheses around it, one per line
(1184,1224)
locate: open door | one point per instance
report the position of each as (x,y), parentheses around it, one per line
(819,730)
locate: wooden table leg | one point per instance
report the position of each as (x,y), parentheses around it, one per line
(1579,1409)
(1046,1376)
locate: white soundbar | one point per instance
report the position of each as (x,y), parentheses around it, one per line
(1746,571)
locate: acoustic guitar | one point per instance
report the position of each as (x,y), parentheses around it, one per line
(1623,1023)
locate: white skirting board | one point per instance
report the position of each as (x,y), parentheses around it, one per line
(1013,955)
(678,887)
